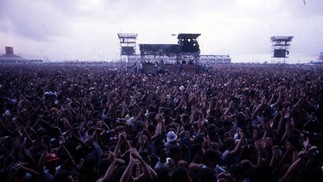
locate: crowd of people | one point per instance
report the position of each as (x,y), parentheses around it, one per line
(85,122)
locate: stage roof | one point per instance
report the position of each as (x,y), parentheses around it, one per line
(159,48)
(128,35)
(11,58)
(187,36)
(281,38)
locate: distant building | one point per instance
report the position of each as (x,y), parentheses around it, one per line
(319,60)
(9,56)
(203,59)
(214,59)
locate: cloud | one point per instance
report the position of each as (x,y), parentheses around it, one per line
(87,29)
(299,10)
(33,19)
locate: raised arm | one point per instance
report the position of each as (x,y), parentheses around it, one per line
(127,173)
(294,167)
(148,171)
(240,143)
(108,173)
(258,108)
(279,97)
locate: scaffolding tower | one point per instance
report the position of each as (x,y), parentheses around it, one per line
(127,45)
(281,46)
(189,47)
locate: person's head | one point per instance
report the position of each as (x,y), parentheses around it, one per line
(211,158)
(63,176)
(211,119)
(227,125)
(314,152)
(184,118)
(146,157)
(168,112)
(207,175)
(196,152)
(236,171)
(248,151)
(90,166)
(214,137)
(175,152)
(161,110)
(229,143)
(268,142)
(181,174)
(161,152)
(51,160)
(41,131)
(264,173)
(54,142)
(199,140)
(171,137)
(20,174)
(164,174)
(248,167)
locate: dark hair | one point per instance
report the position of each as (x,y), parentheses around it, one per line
(199,139)
(174,150)
(162,173)
(144,154)
(195,148)
(89,162)
(180,174)
(207,174)
(211,156)
(62,176)
(187,127)
(159,148)
(236,169)
(228,142)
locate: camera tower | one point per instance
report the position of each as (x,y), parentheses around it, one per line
(127,45)
(281,46)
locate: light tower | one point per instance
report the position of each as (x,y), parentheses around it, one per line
(127,45)
(281,46)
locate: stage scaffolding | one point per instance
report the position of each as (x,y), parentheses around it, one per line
(127,45)
(281,46)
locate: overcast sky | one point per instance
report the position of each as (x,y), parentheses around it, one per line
(87,29)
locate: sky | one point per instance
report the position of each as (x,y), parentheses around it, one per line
(87,29)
